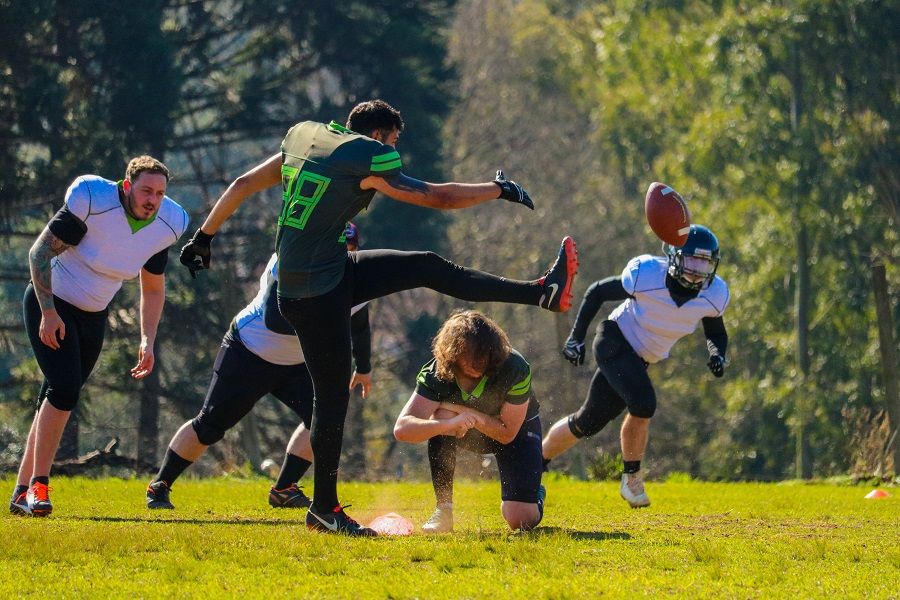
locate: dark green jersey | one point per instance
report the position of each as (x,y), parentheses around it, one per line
(322,167)
(511,383)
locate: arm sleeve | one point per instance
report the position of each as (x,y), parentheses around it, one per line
(609,289)
(427,382)
(716,336)
(385,162)
(67,226)
(520,391)
(157,263)
(361,335)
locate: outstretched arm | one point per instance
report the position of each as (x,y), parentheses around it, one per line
(262,176)
(605,290)
(716,343)
(446,196)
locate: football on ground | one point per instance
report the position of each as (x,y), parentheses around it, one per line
(667,213)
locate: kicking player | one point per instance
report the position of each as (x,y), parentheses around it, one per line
(328,173)
(105,233)
(477,381)
(260,355)
(664,300)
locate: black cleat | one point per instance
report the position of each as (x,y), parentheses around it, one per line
(557,281)
(290,497)
(158,496)
(336,521)
(19,505)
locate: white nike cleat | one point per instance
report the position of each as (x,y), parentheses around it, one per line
(632,490)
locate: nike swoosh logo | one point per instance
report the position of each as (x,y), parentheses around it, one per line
(330,526)
(554,287)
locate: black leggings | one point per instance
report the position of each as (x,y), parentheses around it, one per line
(67,368)
(323,325)
(240,378)
(621,381)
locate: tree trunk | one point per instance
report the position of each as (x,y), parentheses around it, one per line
(353,463)
(889,359)
(68,445)
(250,441)
(148,421)
(802,462)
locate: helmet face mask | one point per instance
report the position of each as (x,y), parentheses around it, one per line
(694,264)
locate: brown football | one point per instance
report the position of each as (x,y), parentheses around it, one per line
(667,214)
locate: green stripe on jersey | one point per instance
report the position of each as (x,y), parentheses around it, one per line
(386,162)
(521,388)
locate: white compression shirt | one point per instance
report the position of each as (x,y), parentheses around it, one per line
(276,348)
(89,274)
(651,321)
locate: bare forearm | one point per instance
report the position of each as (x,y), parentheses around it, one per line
(447,196)
(413,430)
(42,252)
(262,176)
(496,429)
(151,312)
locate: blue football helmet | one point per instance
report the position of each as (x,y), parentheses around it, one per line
(694,264)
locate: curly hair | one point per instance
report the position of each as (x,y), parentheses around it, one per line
(372,115)
(469,333)
(145,164)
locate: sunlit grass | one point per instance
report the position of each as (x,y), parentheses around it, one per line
(698,539)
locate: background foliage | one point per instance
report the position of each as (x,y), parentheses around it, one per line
(776,120)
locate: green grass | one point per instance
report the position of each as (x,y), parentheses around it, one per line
(698,539)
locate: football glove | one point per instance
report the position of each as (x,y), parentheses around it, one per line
(196,253)
(512,191)
(574,351)
(716,364)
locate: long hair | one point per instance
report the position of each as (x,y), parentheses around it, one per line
(473,335)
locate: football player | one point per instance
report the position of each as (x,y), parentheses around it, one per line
(328,173)
(260,355)
(476,394)
(664,300)
(105,233)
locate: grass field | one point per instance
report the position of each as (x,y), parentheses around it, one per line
(697,540)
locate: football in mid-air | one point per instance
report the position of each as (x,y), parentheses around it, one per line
(667,214)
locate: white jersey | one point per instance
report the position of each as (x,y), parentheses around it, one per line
(89,274)
(276,348)
(651,321)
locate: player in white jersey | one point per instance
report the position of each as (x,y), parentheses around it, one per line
(105,233)
(261,355)
(665,298)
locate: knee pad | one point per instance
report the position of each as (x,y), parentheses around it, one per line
(642,407)
(583,424)
(206,434)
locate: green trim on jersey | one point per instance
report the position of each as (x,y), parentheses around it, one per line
(134,223)
(511,383)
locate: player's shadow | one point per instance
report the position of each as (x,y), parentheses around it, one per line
(189,521)
(597,536)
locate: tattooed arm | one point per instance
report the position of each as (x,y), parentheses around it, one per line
(45,248)
(443,196)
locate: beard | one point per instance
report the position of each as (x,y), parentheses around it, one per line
(142,212)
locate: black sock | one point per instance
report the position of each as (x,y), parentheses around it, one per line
(20,489)
(42,479)
(292,470)
(172,466)
(632,466)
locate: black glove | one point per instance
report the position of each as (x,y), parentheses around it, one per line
(574,351)
(716,364)
(512,191)
(195,254)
